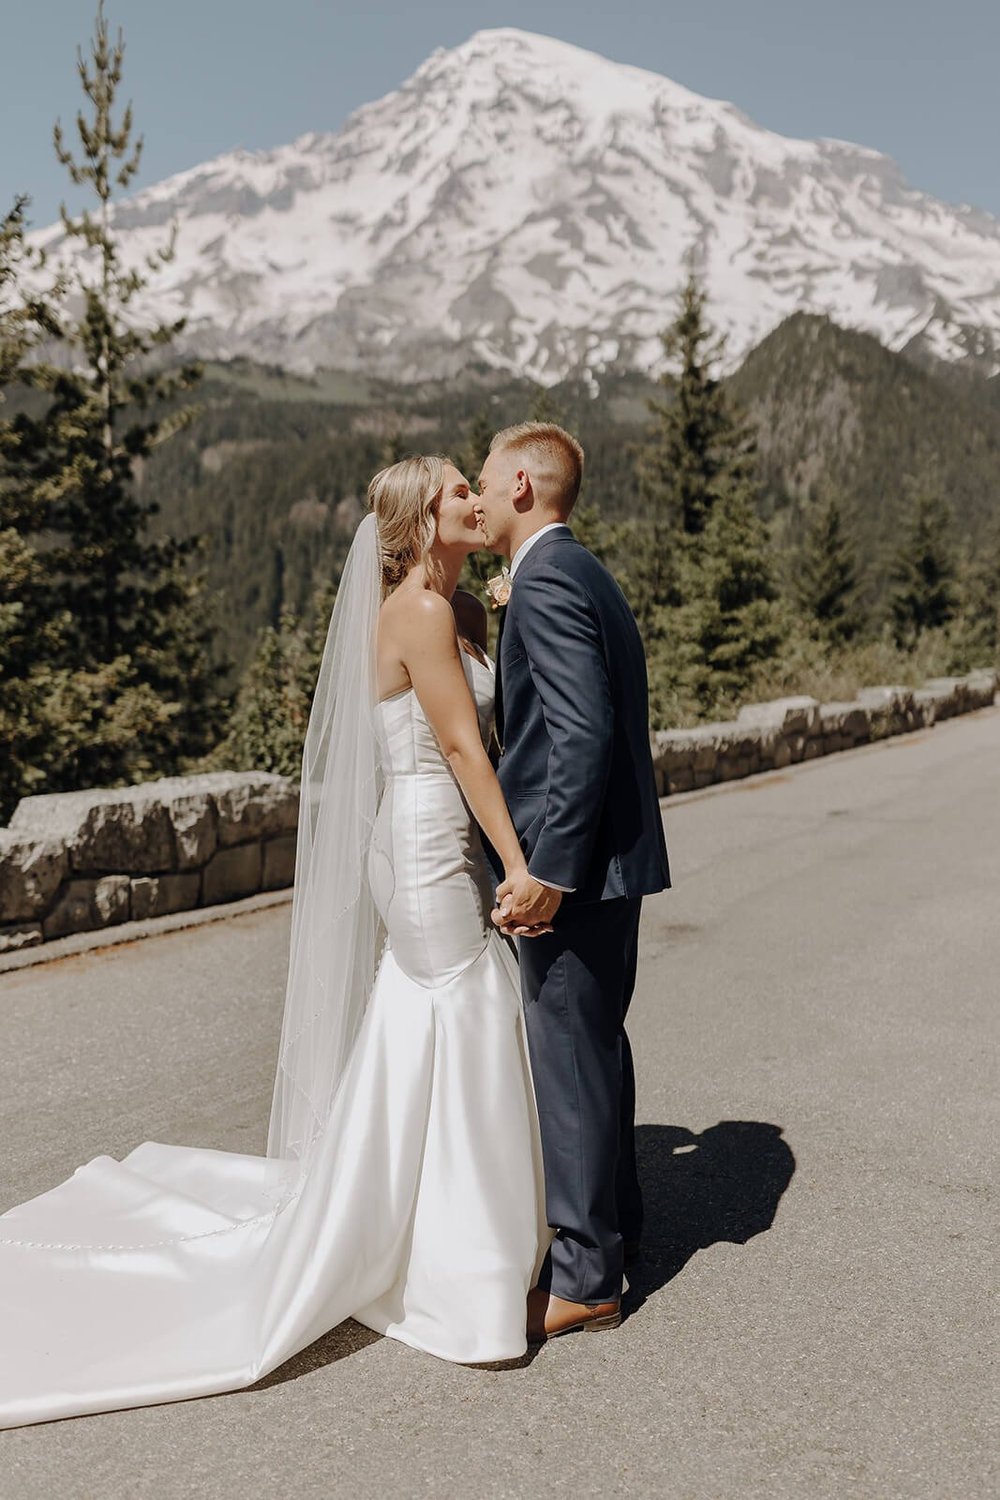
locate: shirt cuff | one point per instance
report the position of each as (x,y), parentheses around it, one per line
(566,889)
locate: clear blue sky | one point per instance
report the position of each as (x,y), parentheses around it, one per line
(917,79)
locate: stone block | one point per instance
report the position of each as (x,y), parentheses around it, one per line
(681,780)
(279,862)
(796,747)
(674,749)
(890,710)
(948,695)
(195,824)
(20,935)
(121,829)
(797,715)
(84,905)
(157,895)
(254,805)
(856,725)
(928,705)
(31,872)
(231,873)
(981,687)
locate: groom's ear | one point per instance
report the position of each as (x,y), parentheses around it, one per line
(522,485)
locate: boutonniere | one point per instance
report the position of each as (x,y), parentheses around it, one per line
(499,588)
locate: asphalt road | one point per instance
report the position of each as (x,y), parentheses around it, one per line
(816,1044)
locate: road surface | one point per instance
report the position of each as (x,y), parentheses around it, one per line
(815,1036)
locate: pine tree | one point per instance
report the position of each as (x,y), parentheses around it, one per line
(137,606)
(924,593)
(271,712)
(42,728)
(697,449)
(475,445)
(826,583)
(976,631)
(731,621)
(544,407)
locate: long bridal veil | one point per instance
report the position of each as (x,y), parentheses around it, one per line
(334,938)
(182,1271)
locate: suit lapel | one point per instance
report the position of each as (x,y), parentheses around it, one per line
(562,535)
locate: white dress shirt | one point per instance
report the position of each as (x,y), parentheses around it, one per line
(515,563)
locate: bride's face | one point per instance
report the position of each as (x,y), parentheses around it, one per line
(456,516)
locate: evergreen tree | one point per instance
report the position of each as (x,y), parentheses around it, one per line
(475,445)
(924,594)
(271,712)
(544,407)
(706,651)
(826,583)
(697,450)
(140,618)
(976,631)
(42,727)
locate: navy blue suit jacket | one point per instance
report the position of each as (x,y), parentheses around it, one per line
(573,721)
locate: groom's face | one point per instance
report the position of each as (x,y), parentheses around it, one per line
(499,485)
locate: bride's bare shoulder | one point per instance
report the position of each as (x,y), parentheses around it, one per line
(420,611)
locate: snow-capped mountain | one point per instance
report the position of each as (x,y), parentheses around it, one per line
(524,202)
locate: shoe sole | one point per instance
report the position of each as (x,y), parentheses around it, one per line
(587,1325)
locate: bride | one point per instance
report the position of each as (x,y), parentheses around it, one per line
(402,1183)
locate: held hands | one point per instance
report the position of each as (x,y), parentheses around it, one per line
(525,907)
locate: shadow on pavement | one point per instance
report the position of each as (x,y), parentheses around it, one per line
(347,1338)
(722,1185)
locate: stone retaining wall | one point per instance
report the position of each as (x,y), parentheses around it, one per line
(75,861)
(769,736)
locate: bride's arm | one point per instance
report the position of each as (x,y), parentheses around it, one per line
(431,656)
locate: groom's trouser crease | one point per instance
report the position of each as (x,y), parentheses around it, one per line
(577,983)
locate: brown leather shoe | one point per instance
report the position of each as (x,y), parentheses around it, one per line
(550,1316)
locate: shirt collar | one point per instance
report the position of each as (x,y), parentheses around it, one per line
(530,541)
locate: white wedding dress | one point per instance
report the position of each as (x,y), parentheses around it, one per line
(180,1272)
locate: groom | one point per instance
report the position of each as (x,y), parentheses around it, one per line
(575,767)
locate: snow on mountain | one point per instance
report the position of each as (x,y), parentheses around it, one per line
(529,204)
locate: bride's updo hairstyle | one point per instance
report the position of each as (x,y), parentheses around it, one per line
(404,498)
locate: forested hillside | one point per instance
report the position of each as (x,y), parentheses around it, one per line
(274,468)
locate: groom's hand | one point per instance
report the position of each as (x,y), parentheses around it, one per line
(525,907)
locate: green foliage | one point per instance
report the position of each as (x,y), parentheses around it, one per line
(707,650)
(826,583)
(836,413)
(976,632)
(268,724)
(124,612)
(924,594)
(696,450)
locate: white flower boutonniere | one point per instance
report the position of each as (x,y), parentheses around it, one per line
(499,588)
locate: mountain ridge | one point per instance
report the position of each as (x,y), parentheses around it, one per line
(524,203)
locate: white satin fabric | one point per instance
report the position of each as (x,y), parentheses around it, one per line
(181,1272)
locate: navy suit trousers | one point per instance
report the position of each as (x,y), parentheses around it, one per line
(576,984)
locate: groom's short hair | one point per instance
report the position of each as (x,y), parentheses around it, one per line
(557,455)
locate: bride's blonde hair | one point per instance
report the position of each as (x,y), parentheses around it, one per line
(404,498)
